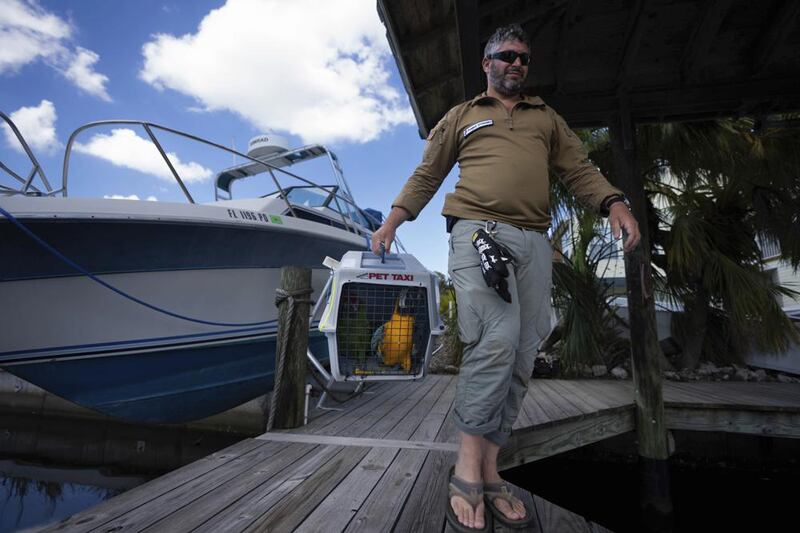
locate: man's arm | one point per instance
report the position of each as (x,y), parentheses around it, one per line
(437,160)
(570,161)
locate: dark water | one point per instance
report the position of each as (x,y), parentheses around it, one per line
(33,494)
(51,468)
(712,492)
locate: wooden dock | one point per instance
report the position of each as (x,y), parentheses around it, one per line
(380,463)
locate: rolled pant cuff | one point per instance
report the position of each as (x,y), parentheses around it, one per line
(494,436)
(499,438)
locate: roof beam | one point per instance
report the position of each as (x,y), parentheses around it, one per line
(391,33)
(528,12)
(423,88)
(562,48)
(469,45)
(429,37)
(696,51)
(633,39)
(779,26)
(681,103)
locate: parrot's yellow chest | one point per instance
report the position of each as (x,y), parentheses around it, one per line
(398,341)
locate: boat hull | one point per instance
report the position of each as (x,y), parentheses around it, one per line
(183,324)
(167,385)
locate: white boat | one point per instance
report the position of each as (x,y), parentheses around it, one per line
(161,311)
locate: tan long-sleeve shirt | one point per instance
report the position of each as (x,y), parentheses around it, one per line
(503,160)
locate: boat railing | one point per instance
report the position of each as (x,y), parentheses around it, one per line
(150,128)
(26,184)
(28,188)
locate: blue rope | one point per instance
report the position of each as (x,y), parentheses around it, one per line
(91,276)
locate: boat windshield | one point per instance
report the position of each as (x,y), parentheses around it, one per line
(307,196)
(323,196)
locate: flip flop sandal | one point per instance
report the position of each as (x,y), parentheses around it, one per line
(502,491)
(472,493)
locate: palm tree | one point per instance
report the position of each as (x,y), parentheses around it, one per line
(588,326)
(720,186)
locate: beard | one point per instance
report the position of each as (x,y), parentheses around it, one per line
(502,84)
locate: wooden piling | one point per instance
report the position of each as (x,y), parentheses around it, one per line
(645,351)
(288,393)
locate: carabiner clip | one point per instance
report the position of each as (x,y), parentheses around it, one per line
(490,226)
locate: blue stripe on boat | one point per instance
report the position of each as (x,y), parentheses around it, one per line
(142,246)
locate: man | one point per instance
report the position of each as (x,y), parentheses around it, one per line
(499,257)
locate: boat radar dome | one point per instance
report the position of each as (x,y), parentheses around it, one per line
(266,145)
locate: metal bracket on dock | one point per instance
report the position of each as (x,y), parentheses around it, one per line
(329,382)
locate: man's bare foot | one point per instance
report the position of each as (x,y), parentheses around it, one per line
(515,511)
(467,514)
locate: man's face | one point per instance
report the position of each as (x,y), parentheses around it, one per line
(507,78)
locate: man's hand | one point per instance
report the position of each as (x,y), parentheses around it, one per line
(385,234)
(620,218)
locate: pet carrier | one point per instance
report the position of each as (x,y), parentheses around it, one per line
(380,317)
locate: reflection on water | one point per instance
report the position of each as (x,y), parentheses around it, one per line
(33,495)
(51,468)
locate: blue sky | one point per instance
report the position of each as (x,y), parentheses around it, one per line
(227,71)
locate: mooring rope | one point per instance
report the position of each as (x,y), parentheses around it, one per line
(41,242)
(291,297)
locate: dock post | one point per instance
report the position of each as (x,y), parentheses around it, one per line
(646,353)
(287,405)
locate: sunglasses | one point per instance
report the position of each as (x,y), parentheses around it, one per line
(509,56)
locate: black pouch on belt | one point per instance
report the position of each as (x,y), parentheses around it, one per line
(450,222)
(494,257)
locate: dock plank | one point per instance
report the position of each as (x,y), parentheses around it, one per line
(297,506)
(776,395)
(616,392)
(387,500)
(556,398)
(138,518)
(424,509)
(555,518)
(789,391)
(747,421)
(201,508)
(710,396)
(588,402)
(532,444)
(353,408)
(535,413)
(143,494)
(552,410)
(322,466)
(343,503)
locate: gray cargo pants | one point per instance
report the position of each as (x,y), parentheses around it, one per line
(500,339)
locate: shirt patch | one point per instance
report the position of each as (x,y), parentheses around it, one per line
(482,124)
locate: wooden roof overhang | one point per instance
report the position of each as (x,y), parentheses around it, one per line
(654,60)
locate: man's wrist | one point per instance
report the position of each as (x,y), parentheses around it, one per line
(608,201)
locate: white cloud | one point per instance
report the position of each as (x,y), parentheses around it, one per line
(29,33)
(122,147)
(37,125)
(129,197)
(81,74)
(315,69)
